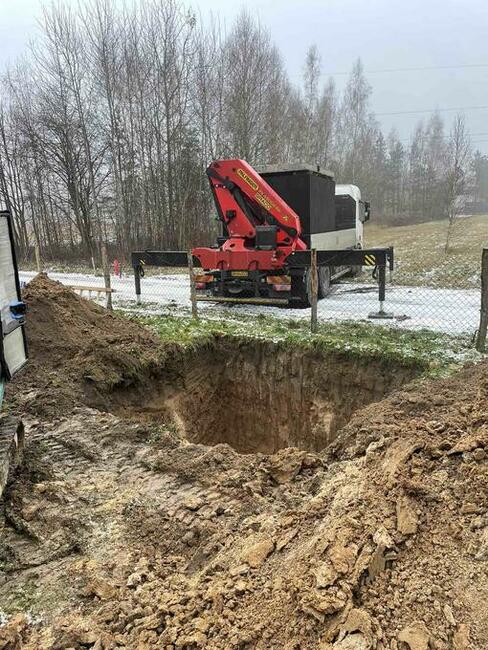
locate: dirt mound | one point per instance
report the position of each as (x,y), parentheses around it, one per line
(118,533)
(76,347)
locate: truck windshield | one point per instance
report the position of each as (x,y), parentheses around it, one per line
(345,212)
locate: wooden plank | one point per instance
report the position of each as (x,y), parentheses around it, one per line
(75,287)
(255,301)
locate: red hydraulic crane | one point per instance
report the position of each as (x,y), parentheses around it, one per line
(262,229)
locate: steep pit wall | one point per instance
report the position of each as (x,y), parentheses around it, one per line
(258,397)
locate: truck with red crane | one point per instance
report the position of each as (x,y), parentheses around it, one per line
(270,222)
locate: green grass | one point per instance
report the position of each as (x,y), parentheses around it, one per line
(436,354)
(21,599)
(420,257)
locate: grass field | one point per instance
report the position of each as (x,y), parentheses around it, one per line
(437,354)
(420,258)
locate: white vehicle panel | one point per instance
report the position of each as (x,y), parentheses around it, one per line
(14,349)
(334,240)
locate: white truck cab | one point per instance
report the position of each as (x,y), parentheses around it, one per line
(351,213)
(350,207)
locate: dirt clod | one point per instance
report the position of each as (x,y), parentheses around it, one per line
(414,637)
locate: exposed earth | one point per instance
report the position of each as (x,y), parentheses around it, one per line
(159,504)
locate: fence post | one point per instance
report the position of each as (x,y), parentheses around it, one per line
(481,338)
(137,280)
(38,258)
(106,276)
(193,293)
(314,289)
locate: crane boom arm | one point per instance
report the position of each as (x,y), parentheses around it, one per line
(244,200)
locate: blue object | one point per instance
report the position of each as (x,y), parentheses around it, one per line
(17,309)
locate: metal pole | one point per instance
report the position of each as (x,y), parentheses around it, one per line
(382,287)
(482,330)
(137,281)
(381,295)
(106,277)
(193,292)
(314,289)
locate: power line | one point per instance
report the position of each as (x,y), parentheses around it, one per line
(446,135)
(413,69)
(435,110)
(410,140)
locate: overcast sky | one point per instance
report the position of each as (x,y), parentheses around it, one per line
(386,34)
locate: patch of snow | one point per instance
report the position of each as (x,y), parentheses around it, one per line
(453,311)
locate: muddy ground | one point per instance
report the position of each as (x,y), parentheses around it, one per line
(159,504)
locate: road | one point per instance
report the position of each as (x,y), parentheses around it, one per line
(452,311)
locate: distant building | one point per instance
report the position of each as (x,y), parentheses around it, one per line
(471,203)
(475,207)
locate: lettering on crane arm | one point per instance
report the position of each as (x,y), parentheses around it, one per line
(268,204)
(261,198)
(247,179)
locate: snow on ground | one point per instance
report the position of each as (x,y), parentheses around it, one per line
(454,311)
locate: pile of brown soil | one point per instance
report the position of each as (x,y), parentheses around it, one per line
(79,350)
(119,534)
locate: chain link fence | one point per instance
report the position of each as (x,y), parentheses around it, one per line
(444,299)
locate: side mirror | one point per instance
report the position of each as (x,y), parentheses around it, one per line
(367,211)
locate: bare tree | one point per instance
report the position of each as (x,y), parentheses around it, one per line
(108,122)
(254,85)
(459,149)
(355,122)
(311,80)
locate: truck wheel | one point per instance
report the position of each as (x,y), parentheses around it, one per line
(301,290)
(324,281)
(301,287)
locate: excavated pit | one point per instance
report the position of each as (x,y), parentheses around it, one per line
(255,395)
(258,397)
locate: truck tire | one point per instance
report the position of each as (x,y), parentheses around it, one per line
(301,290)
(301,287)
(324,281)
